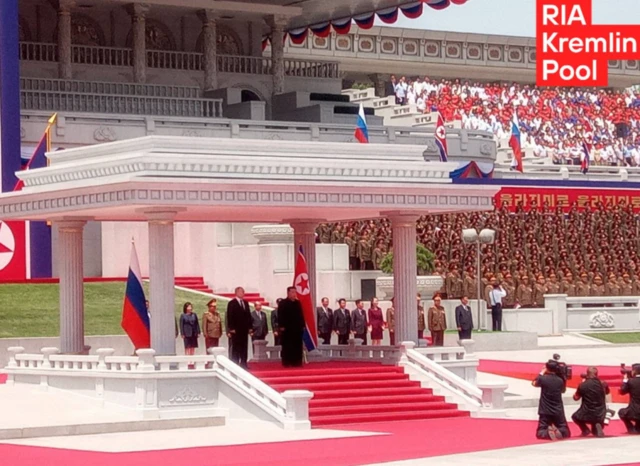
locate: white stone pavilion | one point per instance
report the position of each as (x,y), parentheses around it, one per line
(165,180)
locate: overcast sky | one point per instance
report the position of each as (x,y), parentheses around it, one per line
(510,17)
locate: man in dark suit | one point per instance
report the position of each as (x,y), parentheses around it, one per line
(464,319)
(325,321)
(359,322)
(274,324)
(259,327)
(342,322)
(631,414)
(239,325)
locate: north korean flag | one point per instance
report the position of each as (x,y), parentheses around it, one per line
(13,251)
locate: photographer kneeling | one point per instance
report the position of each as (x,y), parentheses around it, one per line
(631,414)
(593,409)
(552,423)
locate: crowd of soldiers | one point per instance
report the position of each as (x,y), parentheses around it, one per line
(538,250)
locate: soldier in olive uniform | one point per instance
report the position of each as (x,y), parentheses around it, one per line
(583,288)
(364,252)
(539,289)
(457,286)
(378,254)
(611,288)
(469,286)
(337,236)
(509,286)
(597,289)
(421,319)
(553,286)
(354,262)
(524,295)
(626,289)
(324,233)
(567,286)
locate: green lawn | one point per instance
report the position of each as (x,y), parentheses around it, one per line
(626,337)
(32,310)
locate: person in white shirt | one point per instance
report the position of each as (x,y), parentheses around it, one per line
(495,296)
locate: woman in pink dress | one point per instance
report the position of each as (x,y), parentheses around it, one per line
(376,322)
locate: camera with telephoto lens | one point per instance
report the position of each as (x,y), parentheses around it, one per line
(625,371)
(609,413)
(564,371)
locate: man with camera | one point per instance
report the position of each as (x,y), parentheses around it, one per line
(552,423)
(631,385)
(593,409)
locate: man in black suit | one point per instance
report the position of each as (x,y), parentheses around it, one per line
(464,319)
(359,322)
(325,321)
(239,325)
(259,327)
(631,414)
(274,324)
(342,322)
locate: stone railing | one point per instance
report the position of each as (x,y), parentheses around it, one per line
(81,130)
(549,171)
(482,400)
(178,60)
(593,312)
(162,386)
(62,101)
(109,88)
(458,359)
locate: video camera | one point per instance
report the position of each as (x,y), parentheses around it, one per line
(564,371)
(625,371)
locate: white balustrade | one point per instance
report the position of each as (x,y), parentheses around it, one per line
(290,409)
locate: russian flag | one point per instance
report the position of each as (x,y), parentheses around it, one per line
(514,143)
(441,139)
(135,319)
(362,133)
(586,159)
(301,282)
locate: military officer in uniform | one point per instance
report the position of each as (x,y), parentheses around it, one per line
(524,295)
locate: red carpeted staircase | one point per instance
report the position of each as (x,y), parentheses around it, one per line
(193,283)
(348,393)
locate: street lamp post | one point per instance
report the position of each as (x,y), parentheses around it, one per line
(486,236)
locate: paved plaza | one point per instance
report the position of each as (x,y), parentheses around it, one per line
(431,442)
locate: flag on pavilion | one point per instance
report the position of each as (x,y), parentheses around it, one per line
(514,143)
(586,158)
(441,139)
(38,158)
(301,282)
(362,132)
(135,318)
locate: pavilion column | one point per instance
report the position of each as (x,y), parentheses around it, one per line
(138,12)
(71,286)
(304,234)
(405,268)
(210,49)
(64,39)
(162,282)
(277,23)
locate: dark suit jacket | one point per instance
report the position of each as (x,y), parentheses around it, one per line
(325,320)
(342,321)
(274,320)
(189,326)
(464,319)
(359,321)
(259,324)
(238,319)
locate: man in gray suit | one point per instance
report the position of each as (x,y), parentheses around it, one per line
(259,327)
(464,319)
(359,322)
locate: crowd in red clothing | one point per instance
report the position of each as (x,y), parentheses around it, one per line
(553,121)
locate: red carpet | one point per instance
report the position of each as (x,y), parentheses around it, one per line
(355,393)
(398,441)
(3,378)
(529,370)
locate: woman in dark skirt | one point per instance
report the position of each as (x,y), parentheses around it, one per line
(189,329)
(376,322)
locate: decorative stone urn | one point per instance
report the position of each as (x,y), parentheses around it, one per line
(273,234)
(427,285)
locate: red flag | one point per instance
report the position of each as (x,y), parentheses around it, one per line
(13,251)
(301,282)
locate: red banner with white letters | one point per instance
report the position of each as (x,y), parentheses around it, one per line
(13,251)
(563,197)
